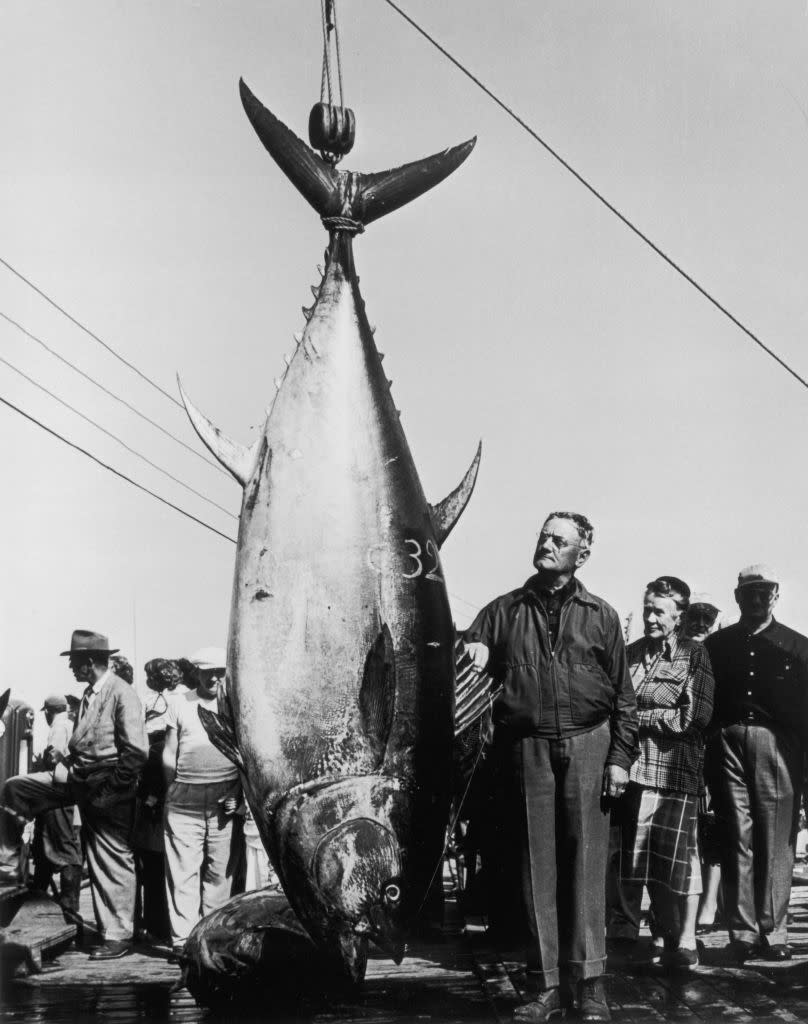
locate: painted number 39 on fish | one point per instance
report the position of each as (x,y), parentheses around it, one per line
(426,561)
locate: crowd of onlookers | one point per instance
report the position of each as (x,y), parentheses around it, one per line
(138,790)
(673,765)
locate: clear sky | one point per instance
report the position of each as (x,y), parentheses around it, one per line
(511,306)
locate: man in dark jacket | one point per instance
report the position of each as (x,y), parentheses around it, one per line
(755,763)
(565,735)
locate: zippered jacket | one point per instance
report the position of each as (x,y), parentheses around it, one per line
(567,689)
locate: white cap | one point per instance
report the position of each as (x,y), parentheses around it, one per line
(702,597)
(209,657)
(758,573)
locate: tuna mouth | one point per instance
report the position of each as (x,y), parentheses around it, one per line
(380,928)
(357,867)
(386,933)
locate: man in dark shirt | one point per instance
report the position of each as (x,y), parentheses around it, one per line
(755,763)
(565,735)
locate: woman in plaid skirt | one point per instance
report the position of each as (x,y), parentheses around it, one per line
(674,687)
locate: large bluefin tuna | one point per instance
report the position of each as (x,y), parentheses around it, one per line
(340,684)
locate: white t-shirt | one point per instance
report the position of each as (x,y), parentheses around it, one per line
(198,761)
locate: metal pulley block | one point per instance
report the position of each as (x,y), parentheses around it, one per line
(332,130)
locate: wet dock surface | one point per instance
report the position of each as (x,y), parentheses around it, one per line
(457,976)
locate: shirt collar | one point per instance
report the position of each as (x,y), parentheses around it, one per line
(772,626)
(95,687)
(670,645)
(579,592)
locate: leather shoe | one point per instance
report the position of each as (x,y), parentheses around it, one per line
(680,959)
(777,951)
(592,1005)
(111,950)
(742,951)
(547,1006)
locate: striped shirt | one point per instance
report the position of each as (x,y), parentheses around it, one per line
(674,687)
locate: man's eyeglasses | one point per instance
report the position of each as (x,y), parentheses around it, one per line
(555,539)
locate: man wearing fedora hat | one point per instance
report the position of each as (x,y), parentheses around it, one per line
(106,752)
(761,700)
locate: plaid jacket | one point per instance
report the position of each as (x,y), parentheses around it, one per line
(674,706)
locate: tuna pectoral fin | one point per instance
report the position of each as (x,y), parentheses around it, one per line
(377,695)
(386,191)
(446,513)
(221,735)
(236,458)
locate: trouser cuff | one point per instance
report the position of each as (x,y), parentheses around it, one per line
(581,969)
(544,979)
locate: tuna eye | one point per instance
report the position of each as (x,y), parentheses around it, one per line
(392,893)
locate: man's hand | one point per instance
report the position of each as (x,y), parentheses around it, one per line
(229,805)
(479,655)
(615,780)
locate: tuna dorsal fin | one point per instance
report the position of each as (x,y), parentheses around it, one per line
(362,197)
(446,513)
(236,458)
(221,735)
(377,694)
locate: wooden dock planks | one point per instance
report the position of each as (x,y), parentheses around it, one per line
(37,927)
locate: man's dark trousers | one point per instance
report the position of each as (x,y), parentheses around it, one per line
(758,790)
(554,791)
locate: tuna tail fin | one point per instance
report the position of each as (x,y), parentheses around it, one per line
(386,191)
(316,180)
(446,513)
(221,735)
(236,458)
(360,197)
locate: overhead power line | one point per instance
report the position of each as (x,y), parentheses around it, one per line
(597,194)
(462,600)
(112,394)
(115,437)
(123,476)
(117,472)
(91,334)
